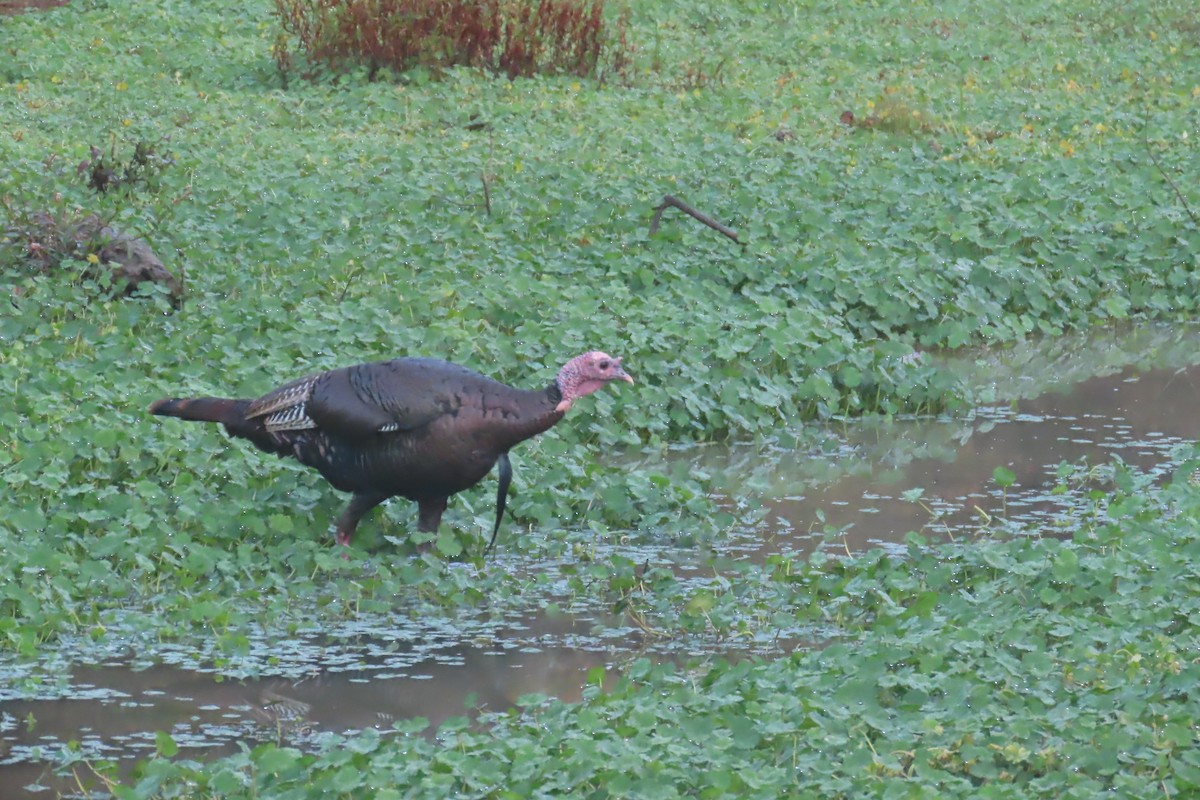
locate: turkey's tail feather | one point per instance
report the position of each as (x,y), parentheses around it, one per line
(202,409)
(228,412)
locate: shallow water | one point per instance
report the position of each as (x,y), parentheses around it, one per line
(1138,417)
(112,710)
(851,492)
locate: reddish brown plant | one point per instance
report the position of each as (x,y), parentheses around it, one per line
(513,37)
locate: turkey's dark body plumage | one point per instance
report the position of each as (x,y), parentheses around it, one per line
(410,427)
(418,428)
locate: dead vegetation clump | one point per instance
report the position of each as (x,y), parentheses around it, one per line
(510,37)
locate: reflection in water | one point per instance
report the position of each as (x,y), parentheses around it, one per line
(854,487)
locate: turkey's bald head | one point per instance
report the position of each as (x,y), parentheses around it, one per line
(587,373)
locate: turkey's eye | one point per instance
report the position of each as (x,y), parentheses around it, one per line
(605,364)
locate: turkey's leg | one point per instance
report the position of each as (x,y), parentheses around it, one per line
(429,513)
(360,504)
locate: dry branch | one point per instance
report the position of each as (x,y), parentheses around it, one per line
(670,200)
(1171,183)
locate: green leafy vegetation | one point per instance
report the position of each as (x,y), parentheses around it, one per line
(1035,667)
(906,178)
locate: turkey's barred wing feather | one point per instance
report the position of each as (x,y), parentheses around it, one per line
(284,409)
(292,418)
(285,397)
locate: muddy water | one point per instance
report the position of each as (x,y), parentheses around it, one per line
(851,493)
(112,711)
(1137,417)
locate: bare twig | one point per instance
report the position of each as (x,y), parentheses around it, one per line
(670,200)
(487,195)
(1171,183)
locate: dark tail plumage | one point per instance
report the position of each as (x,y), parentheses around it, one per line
(202,409)
(228,412)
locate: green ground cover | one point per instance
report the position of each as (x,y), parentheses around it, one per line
(1010,169)
(1023,668)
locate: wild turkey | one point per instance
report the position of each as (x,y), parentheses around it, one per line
(418,428)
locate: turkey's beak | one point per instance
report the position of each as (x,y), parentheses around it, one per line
(622,374)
